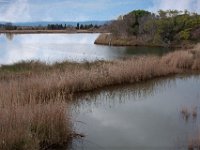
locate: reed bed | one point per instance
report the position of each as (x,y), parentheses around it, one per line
(34,95)
(34,126)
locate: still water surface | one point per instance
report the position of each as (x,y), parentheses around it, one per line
(140,116)
(58,47)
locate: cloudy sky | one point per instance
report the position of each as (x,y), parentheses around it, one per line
(82,10)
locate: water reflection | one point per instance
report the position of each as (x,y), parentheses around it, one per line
(58,47)
(140,116)
(112,96)
(9,36)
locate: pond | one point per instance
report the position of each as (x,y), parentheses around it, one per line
(58,47)
(147,115)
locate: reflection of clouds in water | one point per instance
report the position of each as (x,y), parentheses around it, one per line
(52,47)
(58,47)
(142,115)
(56,38)
(119,95)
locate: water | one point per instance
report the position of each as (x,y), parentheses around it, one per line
(57,47)
(142,116)
(139,116)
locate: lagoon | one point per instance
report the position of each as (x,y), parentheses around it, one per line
(144,116)
(52,48)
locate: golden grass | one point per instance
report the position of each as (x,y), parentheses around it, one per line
(194,143)
(33,95)
(34,126)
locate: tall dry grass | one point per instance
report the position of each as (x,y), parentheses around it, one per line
(34,126)
(33,95)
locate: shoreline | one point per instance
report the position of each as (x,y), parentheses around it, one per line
(110,40)
(38,89)
(104,38)
(48,31)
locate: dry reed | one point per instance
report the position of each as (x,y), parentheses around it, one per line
(32,94)
(194,143)
(34,126)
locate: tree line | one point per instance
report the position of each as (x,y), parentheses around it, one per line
(162,27)
(10,26)
(86,26)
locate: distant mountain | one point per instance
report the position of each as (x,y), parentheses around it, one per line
(45,23)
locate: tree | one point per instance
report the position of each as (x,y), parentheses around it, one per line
(10,26)
(81,27)
(169,26)
(140,13)
(162,13)
(184,35)
(173,13)
(78,26)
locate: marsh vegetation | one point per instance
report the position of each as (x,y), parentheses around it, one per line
(34,96)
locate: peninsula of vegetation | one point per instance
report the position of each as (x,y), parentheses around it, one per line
(170,28)
(35,96)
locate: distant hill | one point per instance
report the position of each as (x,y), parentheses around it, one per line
(45,23)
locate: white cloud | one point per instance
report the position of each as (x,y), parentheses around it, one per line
(191,5)
(15,10)
(25,10)
(4,1)
(81,10)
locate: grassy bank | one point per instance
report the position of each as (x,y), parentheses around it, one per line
(110,39)
(34,95)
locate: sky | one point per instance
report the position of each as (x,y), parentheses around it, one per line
(83,10)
